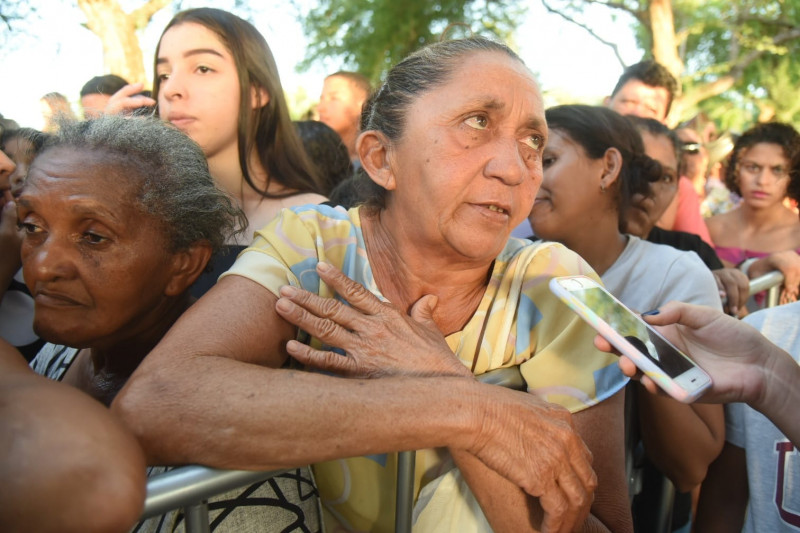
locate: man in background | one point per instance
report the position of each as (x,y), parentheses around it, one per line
(96,93)
(645,89)
(343,95)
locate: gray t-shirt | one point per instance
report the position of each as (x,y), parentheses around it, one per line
(773,463)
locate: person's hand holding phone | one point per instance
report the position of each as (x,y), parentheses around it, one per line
(731,351)
(663,362)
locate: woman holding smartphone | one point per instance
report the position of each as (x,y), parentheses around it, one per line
(754,362)
(594,163)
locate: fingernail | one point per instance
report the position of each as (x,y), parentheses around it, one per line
(323,266)
(651,312)
(284,305)
(288,291)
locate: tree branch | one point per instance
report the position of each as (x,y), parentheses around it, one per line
(737,69)
(142,15)
(770,22)
(639,14)
(591,32)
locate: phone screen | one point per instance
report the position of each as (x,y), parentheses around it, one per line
(635,331)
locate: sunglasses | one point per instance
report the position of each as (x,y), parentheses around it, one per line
(691,148)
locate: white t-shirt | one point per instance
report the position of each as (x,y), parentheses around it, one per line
(648,275)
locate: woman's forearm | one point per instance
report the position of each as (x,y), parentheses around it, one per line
(680,439)
(63,458)
(781,393)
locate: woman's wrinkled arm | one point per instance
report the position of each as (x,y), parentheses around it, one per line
(209,394)
(508,508)
(66,463)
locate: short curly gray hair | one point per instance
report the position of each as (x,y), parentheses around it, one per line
(167,170)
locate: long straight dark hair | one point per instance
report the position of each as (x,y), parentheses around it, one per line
(269,129)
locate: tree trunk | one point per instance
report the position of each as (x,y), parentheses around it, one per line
(122,53)
(665,44)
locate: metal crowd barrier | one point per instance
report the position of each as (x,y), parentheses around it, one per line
(190,487)
(771,282)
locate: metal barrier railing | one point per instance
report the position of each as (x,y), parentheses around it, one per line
(190,486)
(770,282)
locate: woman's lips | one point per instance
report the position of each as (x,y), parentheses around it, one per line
(55,299)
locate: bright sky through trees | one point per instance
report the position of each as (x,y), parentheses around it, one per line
(58,54)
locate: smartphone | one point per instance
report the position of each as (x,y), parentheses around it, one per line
(654,355)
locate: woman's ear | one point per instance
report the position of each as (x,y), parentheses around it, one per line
(259,97)
(374,150)
(186,266)
(612,166)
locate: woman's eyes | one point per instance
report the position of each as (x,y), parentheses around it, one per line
(536,142)
(202,69)
(479,122)
(89,237)
(29,227)
(548,160)
(94,238)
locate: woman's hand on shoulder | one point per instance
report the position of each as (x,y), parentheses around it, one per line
(378,338)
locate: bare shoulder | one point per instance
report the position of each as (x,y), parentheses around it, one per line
(721,226)
(793,234)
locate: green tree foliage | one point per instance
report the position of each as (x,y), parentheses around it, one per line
(734,57)
(369,36)
(753,41)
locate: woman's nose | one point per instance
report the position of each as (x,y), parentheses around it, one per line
(47,260)
(507,163)
(173,87)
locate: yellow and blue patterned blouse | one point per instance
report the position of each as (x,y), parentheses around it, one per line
(519,322)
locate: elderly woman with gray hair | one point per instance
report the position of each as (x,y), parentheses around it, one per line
(119,217)
(453,143)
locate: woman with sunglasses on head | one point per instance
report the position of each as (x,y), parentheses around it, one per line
(762,234)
